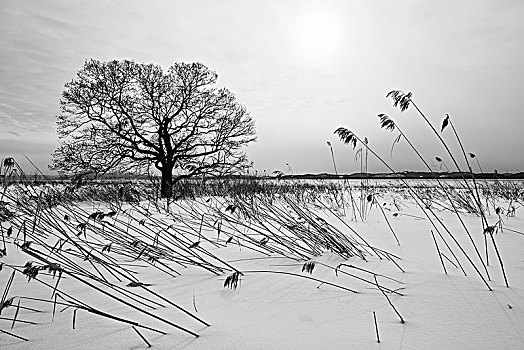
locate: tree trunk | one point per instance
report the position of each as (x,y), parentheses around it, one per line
(166,183)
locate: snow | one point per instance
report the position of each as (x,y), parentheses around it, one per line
(278,311)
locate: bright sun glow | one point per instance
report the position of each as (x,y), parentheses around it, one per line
(318,35)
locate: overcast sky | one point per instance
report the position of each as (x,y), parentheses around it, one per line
(302,68)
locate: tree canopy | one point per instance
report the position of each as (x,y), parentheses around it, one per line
(124,116)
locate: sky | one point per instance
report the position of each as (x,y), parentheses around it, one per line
(302,69)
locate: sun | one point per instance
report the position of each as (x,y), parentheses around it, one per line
(318,35)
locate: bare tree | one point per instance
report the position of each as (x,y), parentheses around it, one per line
(125,116)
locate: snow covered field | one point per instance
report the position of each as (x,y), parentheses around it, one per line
(305,271)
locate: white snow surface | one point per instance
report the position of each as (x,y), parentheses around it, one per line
(277,311)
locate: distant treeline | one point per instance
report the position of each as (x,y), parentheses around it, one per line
(321,176)
(412,175)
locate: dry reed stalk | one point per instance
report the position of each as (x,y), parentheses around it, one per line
(452,254)
(141,336)
(389,124)
(438,251)
(176,306)
(3,252)
(302,276)
(348,136)
(194,303)
(19,321)
(16,314)
(94,311)
(4,301)
(387,221)
(376,326)
(404,100)
(309,269)
(491,230)
(370,272)
(389,301)
(87,283)
(477,198)
(336,173)
(449,260)
(14,335)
